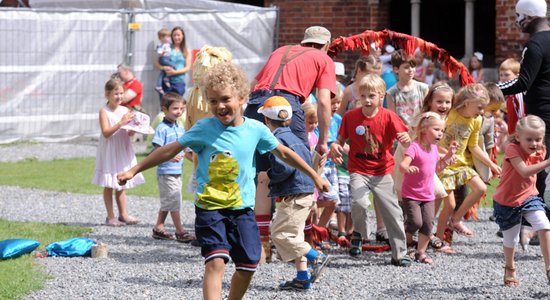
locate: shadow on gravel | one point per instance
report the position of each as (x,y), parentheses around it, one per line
(418,292)
(178,253)
(152,281)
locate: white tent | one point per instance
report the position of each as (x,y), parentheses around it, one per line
(56,56)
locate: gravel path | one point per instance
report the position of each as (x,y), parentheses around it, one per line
(139,267)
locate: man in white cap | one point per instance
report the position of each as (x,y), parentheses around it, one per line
(534,75)
(293,72)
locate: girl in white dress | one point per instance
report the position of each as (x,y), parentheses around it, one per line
(115,154)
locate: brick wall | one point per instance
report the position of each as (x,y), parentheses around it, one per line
(341,17)
(510,40)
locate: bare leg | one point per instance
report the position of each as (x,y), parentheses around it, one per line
(176,218)
(121,203)
(342,221)
(423,241)
(161,219)
(478,188)
(213,274)
(300,264)
(446,212)
(544,237)
(510,267)
(239,284)
(108,199)
(328,208)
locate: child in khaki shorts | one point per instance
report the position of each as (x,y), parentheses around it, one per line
(294,189)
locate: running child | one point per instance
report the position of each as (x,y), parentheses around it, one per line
(419,166)
(294,190)
(115,154)
(462,127)
(225,224)
(516,195)
(372,130)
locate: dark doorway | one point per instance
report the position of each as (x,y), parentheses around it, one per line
(442,23)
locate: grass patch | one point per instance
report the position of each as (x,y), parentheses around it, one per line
(22,275)
(74,176)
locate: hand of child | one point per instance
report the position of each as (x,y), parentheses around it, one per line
(322,149)
(123,177)
(495,169)
(413,169)
(127,118)
(131,133)
(176,158)
(336,153)
(321,184)
(403,138)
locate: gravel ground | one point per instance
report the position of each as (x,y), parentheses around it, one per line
(139,267)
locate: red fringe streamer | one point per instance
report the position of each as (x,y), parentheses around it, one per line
(406,42)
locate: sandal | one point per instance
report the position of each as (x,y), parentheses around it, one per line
(422,257)
(162,234)
(459,228)
(511,281)
(128,220)
(436,242)
(446,249)
(113,222)
(184,237)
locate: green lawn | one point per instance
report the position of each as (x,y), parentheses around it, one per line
(74,176)
(22,275)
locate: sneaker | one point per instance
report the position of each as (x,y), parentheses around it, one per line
(405,261)
(356,245)
(318,265)
(296,284)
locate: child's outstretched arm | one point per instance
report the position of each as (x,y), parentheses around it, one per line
(161,154)
(290,157)
(405,166)
(525,170)
(404,139)
(484,158)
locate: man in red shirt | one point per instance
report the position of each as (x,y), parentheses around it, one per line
(132,87)
(292,72)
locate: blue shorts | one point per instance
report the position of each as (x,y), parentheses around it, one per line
(297,126)
(507,217)
(225,233)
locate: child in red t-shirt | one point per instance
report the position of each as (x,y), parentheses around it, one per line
(371,131)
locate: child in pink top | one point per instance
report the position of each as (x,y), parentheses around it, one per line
(516,195)
(419,165)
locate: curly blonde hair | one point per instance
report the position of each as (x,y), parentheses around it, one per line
(226,74)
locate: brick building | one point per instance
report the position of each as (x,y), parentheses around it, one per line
(491,27)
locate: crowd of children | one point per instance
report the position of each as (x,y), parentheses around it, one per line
(416,154)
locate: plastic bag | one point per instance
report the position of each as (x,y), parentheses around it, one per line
(71,247)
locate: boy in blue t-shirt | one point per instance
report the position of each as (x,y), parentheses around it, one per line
(225,224)
(169,173)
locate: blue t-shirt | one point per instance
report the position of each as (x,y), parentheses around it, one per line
(178,60)
(166,133)
(335,122)
(226,165)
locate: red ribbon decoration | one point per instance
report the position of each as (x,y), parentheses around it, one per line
(408,43)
